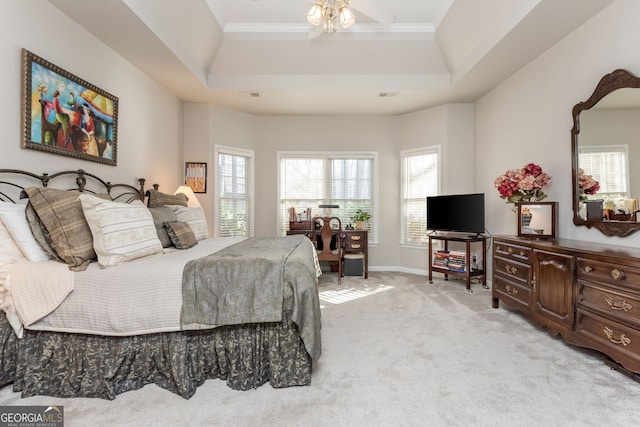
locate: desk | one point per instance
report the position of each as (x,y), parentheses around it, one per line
(355,241)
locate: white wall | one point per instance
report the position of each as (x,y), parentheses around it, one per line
(450,126)
(527,118)
(329,133)
(149,118)
(204,127)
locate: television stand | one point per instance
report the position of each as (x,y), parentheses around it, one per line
(457,263)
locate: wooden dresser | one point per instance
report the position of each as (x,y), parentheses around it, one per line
(588,293)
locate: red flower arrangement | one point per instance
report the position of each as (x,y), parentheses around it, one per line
(587,185)
(522,185)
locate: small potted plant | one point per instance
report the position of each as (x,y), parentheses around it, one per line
(360,217)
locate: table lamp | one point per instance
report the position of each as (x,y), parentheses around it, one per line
(192,201)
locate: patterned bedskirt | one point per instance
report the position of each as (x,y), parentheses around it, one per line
(77,365)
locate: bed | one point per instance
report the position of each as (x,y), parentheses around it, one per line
(170,307)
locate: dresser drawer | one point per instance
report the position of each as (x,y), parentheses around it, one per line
(511,292)
(618,341)
(355,241)
(600,271)
(619,306)
(512,251)
(513,270)
(354,247)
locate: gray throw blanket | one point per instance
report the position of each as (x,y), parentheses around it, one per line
(254,281)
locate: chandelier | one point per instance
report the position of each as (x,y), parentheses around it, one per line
(325,13)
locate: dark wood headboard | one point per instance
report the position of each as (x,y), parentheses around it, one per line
(14,181)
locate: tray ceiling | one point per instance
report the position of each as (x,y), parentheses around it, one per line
(259,57)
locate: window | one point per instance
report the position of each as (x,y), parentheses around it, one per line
(234,198)
(308,180)
(609,165)
(420,178)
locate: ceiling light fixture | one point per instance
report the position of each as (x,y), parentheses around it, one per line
(325,13)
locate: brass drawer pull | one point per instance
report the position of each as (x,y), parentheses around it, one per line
(355,246)
(613,305)
(588,269)
(618,274)
(522,254)
(510,250)
(510,270)
(623,339)
(355,237)
(511,291)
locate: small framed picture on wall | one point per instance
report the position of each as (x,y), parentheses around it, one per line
(195,176)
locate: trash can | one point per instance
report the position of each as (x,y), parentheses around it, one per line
(354,264)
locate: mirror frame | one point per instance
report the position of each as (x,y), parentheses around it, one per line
(615,80)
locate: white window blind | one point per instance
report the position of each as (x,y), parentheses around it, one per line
(420,178)
(609,165)
(308,180)
(235,192)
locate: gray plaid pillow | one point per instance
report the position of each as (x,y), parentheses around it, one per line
(181,234)
(161,215)
(157,198)
(61,213)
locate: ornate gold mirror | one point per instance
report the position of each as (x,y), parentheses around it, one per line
(609,127)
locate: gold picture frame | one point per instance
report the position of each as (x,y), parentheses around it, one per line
(64,114)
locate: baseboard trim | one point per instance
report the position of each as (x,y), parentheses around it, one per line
(416,271)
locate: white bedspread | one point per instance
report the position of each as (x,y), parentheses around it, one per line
(137,297)
(40,288)
(120,301)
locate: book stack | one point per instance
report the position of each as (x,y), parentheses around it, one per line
(451,260)
(457,261)
(441,259)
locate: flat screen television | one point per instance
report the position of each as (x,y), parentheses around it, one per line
(462,213)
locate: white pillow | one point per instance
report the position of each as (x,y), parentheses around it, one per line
(195,218)
(9,253)
(15,220)
(121,231)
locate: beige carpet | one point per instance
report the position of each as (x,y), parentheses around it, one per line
(399,351)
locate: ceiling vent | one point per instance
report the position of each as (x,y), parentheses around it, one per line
(387,94)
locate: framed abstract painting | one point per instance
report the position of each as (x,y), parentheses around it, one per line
(63,114)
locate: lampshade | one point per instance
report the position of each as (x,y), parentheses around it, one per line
(325,13)
(192,201)
(346,17)
(315,14)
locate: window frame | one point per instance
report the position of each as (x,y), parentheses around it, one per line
(240,152)
(404,154)
(328,156)
(588,150)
